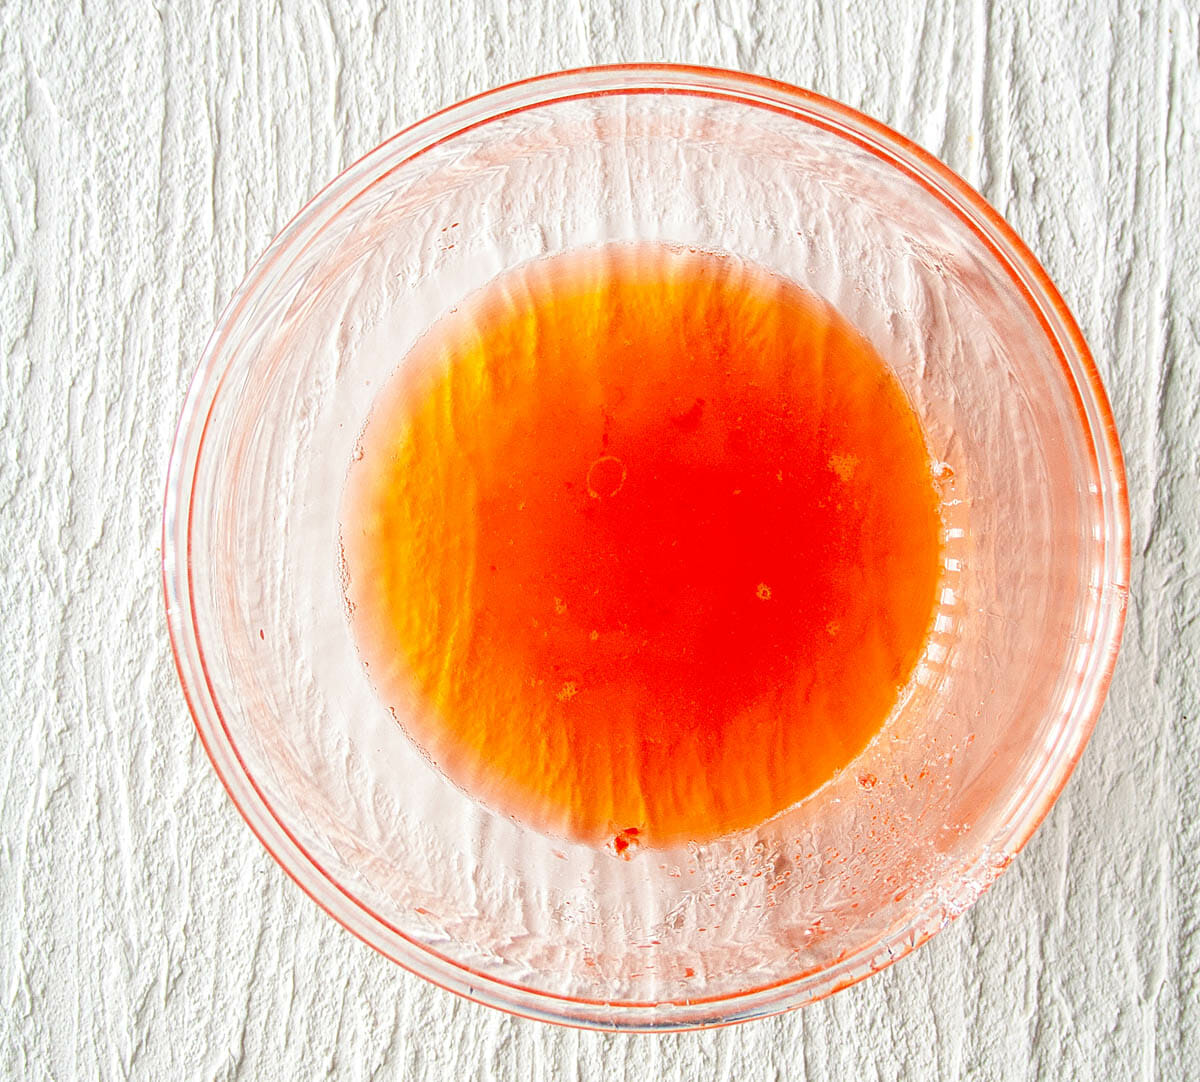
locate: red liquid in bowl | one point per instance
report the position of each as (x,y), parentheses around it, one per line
(641,545)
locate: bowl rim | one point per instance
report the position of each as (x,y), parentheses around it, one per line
(1041,788)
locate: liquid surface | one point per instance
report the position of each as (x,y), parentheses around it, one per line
(641,546)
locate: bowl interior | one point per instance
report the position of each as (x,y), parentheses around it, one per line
(1002,701)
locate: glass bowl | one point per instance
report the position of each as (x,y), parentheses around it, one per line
(1025,634)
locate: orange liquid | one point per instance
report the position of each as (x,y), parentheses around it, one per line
(641,545)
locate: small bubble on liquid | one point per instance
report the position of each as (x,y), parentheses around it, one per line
(560,606)
(568,691)
(605,477)
(763,592)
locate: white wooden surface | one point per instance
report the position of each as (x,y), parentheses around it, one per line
(148,153)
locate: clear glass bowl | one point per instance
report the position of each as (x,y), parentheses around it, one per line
(1030,614)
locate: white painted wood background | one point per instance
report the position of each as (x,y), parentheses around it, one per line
(148,153)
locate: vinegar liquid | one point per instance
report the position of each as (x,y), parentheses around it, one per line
(641,545)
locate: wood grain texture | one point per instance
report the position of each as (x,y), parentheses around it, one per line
(147,154)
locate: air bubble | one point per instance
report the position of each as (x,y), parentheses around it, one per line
(605,477)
